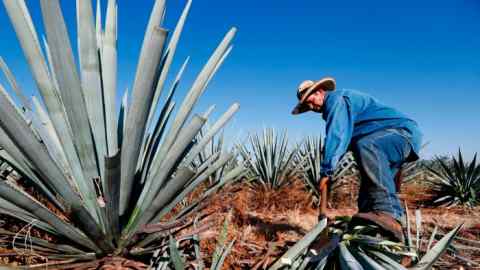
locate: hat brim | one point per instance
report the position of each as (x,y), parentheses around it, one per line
(300,108)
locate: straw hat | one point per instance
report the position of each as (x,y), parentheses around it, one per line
(308,87)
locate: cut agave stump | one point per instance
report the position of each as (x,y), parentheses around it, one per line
(356,248)
(86,158)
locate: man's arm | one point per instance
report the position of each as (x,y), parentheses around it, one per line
(339,129)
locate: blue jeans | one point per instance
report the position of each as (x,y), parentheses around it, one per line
(380,155)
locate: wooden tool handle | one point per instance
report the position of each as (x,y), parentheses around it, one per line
(323,195)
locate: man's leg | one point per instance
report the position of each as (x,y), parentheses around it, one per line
(380,155)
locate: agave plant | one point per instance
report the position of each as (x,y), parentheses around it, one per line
(105,176)
(339,246)
(210,155)
(310,154)
(268,158)
(456,184)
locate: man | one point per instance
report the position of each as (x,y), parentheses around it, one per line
(380,137)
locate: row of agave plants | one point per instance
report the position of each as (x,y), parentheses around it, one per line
(272,162)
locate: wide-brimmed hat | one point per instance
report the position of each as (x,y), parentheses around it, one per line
(308,87)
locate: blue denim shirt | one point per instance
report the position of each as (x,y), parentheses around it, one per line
(350,115)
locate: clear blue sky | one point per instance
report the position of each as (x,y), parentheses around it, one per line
(421,57)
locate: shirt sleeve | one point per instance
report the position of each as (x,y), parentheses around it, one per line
(339,129)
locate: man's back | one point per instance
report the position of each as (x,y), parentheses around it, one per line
(368,114)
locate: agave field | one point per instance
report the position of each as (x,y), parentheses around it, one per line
(150,183)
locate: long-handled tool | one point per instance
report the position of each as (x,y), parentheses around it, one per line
(324,238)
(399,180)
(323,187)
